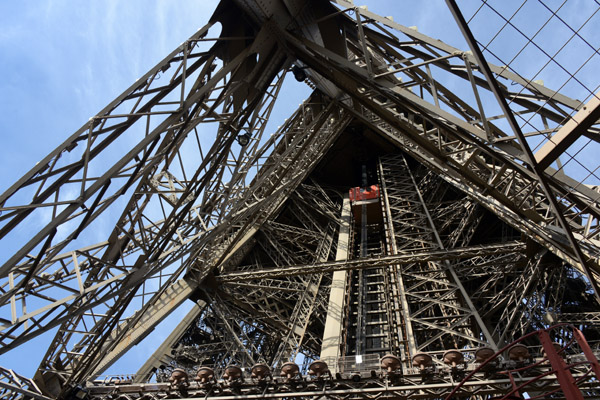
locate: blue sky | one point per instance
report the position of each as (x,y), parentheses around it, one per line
(62,61)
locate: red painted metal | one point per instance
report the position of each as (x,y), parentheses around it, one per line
(364,193)
(562,371)
(515,392)
(587,351)
(568,384)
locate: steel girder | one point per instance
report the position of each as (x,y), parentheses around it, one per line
(535,376)
(95,268)
(186,204)
(285,309)
(361,263)
(461,149)
(191,203)
(15,386)
(437,311)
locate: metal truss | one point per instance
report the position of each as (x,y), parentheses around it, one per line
(409,258)
(473,154)
(535,374)
(590,318)
(111,285)
(342,390)
(437,311)
(282,312)
(154,170)
(482,241)
(15,386)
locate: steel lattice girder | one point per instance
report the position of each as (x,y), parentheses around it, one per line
(458,155)
(213,208)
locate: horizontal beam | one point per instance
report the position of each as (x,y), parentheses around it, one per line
(362,263)
(569,133)
(335,389)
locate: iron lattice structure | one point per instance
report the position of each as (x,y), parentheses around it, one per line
(463,229)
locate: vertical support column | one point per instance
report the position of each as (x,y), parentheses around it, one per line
(330,348)
(449,267)
(405,331)
(436,312)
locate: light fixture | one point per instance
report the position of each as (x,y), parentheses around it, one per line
(232,373)
(289,370)
(422,360)
(318,368)
(453,357)
(179,377)
(260,371)
(299,73)
(483,354)
(205,375)
(519,352)
(390,363)
(243,139)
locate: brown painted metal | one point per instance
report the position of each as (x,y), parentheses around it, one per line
(251,231)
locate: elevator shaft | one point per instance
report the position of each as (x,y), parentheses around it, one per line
(412,308)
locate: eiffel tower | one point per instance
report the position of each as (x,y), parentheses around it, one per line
(412,230)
